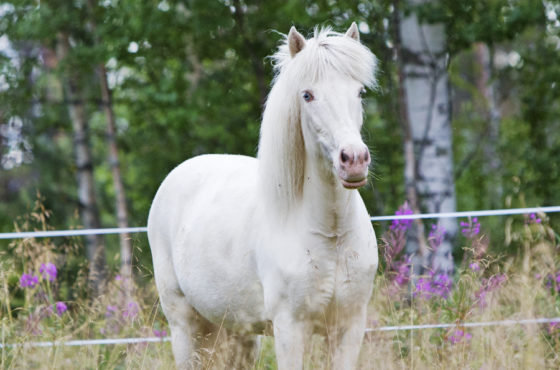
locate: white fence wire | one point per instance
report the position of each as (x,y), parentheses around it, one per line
(86,342)
(130,230)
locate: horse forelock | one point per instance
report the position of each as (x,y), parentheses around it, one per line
(281,146)
(327,51)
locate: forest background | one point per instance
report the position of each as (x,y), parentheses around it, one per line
(99,100)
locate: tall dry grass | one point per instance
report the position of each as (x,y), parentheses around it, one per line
(518,286)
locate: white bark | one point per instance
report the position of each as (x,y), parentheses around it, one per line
(86,187)
(113,157)
(487,88)
(429,113)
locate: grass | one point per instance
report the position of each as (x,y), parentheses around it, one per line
(520,286)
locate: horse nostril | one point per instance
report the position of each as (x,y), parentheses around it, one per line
(343,156)
(366,156)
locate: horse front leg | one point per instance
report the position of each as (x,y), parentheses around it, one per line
(346,342)
(290,338)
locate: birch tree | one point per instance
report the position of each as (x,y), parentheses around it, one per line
(84,164)
(428,111)
(113,157)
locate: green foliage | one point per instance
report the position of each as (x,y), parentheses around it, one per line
(490,21)
(191,77)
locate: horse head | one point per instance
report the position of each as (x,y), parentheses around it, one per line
(333,71)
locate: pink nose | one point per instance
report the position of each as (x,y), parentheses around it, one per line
(354,160)
(353,164)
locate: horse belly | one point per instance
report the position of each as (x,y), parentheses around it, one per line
(217,277)
(213,239)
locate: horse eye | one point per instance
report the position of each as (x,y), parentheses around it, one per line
(307,96)
(362,92)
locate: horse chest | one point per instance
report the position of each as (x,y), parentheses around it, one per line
(334,276)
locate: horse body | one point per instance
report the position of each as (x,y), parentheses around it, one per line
(205,205)
(276,244)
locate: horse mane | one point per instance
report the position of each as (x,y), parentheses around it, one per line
(281,151)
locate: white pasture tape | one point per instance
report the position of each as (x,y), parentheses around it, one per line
(488,212)
(467,324)
(78,232)
(131,230)
(86,342)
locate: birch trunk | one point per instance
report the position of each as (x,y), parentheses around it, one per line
(86,189)
(120,197)
(429,114)
(417,247)
(113,157)
(486,87)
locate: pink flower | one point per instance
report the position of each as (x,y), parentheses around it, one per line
(48,271)
(110,310)
(553,327)
(533,219)
(28,281)
(434,285)
(160,333)
(403,224)
(474,266)
(459,336)
(131,310)
(61,308)
(470,229)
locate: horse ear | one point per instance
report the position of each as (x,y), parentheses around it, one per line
(296,42)
(353,32)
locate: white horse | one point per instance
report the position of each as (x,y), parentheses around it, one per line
(281,243)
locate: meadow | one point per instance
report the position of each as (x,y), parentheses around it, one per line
(44,297)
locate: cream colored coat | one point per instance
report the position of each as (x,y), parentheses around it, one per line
(283,241)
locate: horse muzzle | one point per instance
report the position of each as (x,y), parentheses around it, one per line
(352,166)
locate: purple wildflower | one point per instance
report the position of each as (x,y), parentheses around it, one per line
(403,224)
(441,285)
(553,327)
(470,229)
(474,266)
(403,271)
(394,239)
(28,281)
(533,219)
(423,288)
(131,310)
(110,310)
(160,333)
(433,285)
(61,308)
(459,336)
(48,271)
